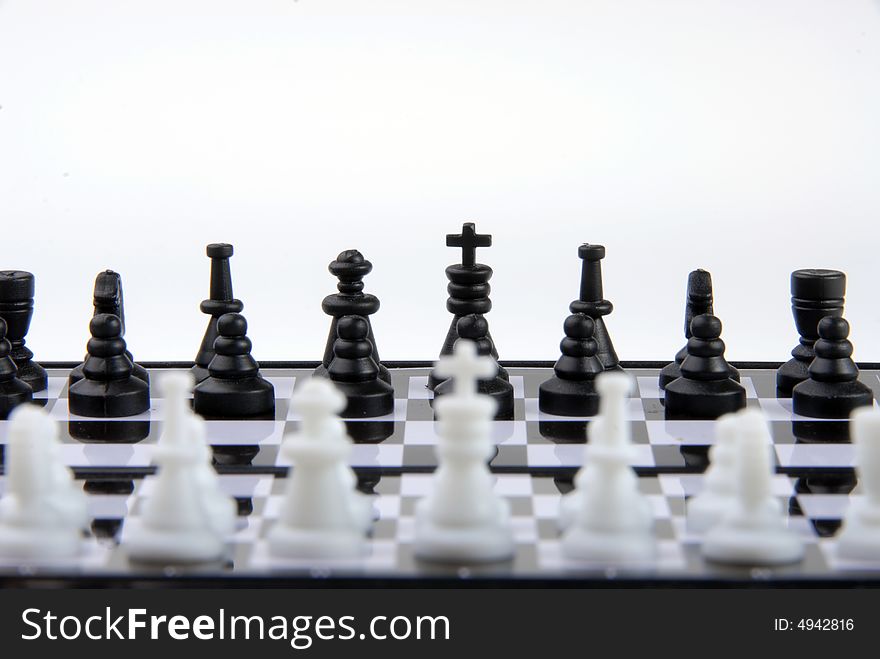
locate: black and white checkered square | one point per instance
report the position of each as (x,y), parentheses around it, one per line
(532,442)
(815,508)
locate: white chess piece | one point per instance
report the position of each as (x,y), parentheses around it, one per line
(718,496)
(330,426)
(175,525)
(33,526)
(67,495)
(220,507)
(754,532)
(322,515)
(860,537)
(462,519)
(607,519)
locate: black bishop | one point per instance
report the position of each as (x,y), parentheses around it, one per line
(592,302)
(220,301)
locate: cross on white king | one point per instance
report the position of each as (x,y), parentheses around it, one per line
(466,368)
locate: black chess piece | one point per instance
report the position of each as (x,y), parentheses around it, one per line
(233,455)
(833,390)
(592,302)
(369,432)
(821,431)
(220,302)
(13,390)
(367,481)
(705,389)
(350,267)
(108,388)
(112,430)
(354,371)
(699,301)
(107,298)
(468,290)
(564,432)
(108,527)
(234,387)
(474,328)
(839,484)
(572,389)
(17,309)
(815,294)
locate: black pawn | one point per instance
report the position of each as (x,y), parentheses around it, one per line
(833,390)
(593,303)
(699,301)
(108,389)
(220,302)
(468,290)
(17,309)
(475,328)
(815,294)
(350,267)
(234,387)
(13,390)
(705,389)
(107,298)
(572,389)
(356,373)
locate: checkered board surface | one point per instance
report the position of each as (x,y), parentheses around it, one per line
(536,456)
(815,507)
(405,441)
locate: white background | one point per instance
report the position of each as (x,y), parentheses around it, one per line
(742,136)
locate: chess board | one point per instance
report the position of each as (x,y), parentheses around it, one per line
(535,459)
(532,442)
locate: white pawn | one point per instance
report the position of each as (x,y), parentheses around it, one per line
(67,495)
(608,519)
(462,519)
(322,515)
(32,524)
(754,532)
(175,526)
(220,507)
(329,425)
(860,537)
(718,496)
